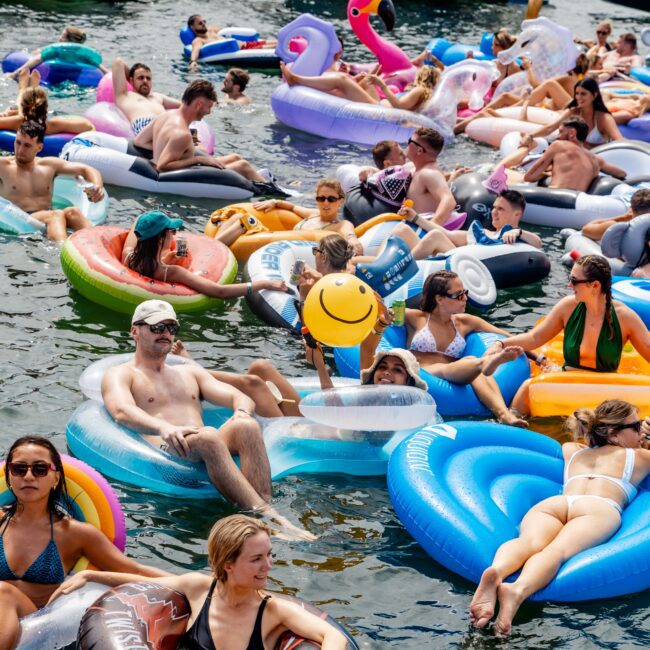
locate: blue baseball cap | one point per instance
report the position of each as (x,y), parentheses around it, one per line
(152,223)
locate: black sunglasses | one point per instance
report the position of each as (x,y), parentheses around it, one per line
(159,328)
(39,470)
(458,295)
(632,425)
(417,144)
(329,199)
(573,281)
(601,33)
(317,250)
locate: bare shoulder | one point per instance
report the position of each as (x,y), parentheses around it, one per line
(570,448)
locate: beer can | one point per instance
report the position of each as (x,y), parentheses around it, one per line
(181,246)
(296,272)
(399,312)
(195,135)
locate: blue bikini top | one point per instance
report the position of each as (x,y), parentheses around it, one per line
(46,569)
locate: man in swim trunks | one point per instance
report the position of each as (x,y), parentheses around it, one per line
(169,137)
(205,33)
(28,182)
(141,104)
(619,61)
(570,164)
(163,404)
(234,84)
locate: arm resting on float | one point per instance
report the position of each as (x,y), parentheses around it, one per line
(222,394)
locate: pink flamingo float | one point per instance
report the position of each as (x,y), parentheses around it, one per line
(396,67)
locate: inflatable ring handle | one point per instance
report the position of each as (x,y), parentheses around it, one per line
(223,214)
(361,229)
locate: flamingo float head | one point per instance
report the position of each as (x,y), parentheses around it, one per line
(361,10)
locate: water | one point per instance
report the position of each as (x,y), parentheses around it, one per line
(365,569)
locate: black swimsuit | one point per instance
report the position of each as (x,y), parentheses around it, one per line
(198,637)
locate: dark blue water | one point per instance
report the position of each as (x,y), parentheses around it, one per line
(364,568)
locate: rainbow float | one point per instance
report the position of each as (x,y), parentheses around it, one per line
(91,260)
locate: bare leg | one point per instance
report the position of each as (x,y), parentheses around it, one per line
(247,170)
(75,219)
(506,99)
(255,388)
(13,606)
(55,222)
(488,392)
(521,400)
(554,91)
(264,369)
(334,84)
(230,230)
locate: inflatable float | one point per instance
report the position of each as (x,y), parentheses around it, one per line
(89,499)
(122,164)
(635,293)
(449,53)
(295,445)
(61,62)
(153,616)
(451,399)
(67,193)
(278,309)
(91,260)
(52,144)
(228,49)
(332,117)
(462,488)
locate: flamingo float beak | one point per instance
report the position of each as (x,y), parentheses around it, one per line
(386,12)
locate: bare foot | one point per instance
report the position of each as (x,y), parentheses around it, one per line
(34,78)
(287,530)
(481,609)
(511,418)
(509,602)
(289,77)
(492,362)
(179,349)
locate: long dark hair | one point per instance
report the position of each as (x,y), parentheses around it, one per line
(437,284)
(58,498)
(597,269)
(590,85)
(144,258)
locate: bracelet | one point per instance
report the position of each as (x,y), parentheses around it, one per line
(378,332)
(502,343)
(243,411)
(415,218)
(381,322)
(540,358)
(249,288)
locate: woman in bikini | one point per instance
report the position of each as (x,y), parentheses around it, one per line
(436,336)
(600,480)
(148,251)
(39,541)
(596,328)
(229,608)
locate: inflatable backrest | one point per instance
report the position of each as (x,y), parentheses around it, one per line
(186,35)
(244,34)
(627,240)
(438,46)
(322,45)
(71,53)
(486,44)
(391,185)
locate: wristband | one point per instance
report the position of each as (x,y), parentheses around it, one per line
(540,358)
(415,218)
(501,342)
(249,288)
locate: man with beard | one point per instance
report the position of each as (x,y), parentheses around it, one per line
(140,105)
(28,182)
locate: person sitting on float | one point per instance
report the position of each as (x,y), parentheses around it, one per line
(149,249)
(600,480)
(39,541)
(639,204)
(596,328)
(229,607)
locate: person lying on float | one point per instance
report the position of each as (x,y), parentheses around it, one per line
(639,204)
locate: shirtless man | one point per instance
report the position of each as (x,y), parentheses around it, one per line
(171,141)
(141,104)
(205,33)
(572,167)
(428,190)
(234,84)
(507,210)
(163,404)
(639,204)
(28,182)
(620,60)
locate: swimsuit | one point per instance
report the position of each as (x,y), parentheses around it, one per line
(424,341)
(595,136)
(323,224)
(199,637)
(608,351)
(46,569)
(140,122)
(624,482)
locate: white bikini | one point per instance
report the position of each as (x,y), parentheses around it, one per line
(424,341)
(624,482)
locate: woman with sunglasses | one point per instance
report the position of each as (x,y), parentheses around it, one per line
(436,336)
(596,328)
(39,542)
(329,199)
(601,46)
(600,480)
(148,251)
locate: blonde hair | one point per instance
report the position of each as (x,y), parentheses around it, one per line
(227,538)
(332,184)
(604,24)
(593,426)
(75,35)
(504,39)
(427,79)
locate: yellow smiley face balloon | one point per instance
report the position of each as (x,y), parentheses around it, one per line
(340,310)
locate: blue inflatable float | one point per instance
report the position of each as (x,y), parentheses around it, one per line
(52,144)
(635,293)
(449,53)
(452,399)
(462,488)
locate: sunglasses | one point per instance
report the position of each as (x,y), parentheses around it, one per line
(329,199)
(417,144)
(601,33)
(458,295)
(317,250)
(159,328)
(574,281)
(39,470)
(632,425)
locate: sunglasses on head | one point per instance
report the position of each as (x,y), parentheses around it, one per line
(329,199)
(632,425)
(39,470)
(458,295)
(159,328)
(573,281)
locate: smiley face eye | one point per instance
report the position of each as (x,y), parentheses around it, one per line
(362,289)
(355,11)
